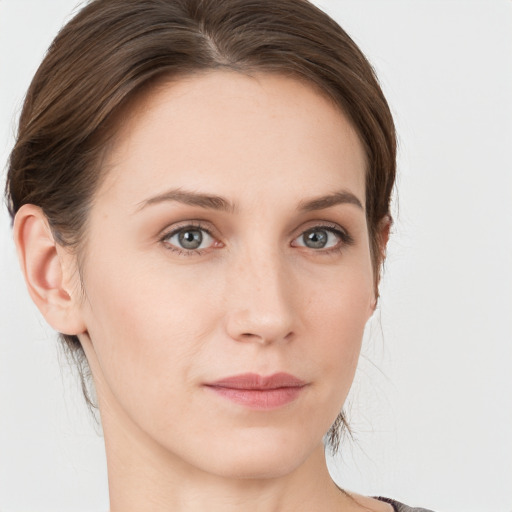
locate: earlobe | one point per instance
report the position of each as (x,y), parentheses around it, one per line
(45,266)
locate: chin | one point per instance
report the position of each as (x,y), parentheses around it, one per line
(258,455)
(249,467)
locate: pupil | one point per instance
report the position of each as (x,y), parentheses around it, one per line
(191,239)
(315,239)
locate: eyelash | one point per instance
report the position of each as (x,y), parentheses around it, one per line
(345,238)
(181,251)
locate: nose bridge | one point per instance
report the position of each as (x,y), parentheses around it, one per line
(261,299)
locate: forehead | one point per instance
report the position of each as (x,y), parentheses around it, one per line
(235,134)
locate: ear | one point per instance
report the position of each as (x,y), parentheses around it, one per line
(48,270)
(383,231)
(383,234)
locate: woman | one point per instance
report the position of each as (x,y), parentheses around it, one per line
(200,193)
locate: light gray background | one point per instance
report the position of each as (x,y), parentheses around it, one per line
(431,405)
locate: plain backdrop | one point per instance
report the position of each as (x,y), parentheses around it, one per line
(431,406)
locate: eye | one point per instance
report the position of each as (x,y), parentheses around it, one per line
(322,237)
(189,238)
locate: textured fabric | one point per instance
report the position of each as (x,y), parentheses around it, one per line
(400,507)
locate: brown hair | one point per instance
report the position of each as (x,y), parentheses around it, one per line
(114,49)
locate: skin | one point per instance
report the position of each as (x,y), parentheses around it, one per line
(158,321)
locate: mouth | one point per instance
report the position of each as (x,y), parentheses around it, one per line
(259,392)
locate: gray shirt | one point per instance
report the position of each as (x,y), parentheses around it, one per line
(400,507)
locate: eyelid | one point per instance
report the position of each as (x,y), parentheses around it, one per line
(180,225)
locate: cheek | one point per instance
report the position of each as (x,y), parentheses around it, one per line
(147,322)
(336,318)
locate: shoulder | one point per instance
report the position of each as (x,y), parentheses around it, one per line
(400,507)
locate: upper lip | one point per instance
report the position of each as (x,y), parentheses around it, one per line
(259,382)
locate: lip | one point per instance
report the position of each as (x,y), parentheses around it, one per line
(257,391)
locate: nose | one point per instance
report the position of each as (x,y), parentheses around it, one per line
(260,304)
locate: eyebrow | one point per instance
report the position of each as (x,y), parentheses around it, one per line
(327,201)
(214,202)
(208,201)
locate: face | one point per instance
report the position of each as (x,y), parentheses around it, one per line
(227,272)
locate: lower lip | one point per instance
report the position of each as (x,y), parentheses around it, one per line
(262,399)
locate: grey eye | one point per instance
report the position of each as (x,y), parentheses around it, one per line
(321,237)
(315,238)
(190,239)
